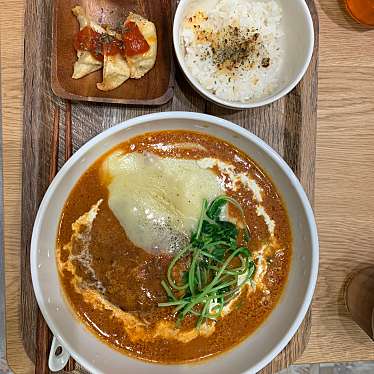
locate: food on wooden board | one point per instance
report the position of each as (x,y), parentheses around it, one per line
(128,51)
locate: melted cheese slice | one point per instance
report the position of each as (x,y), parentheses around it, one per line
(157,200)
(141,64)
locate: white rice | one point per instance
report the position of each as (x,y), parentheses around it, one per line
(244,83)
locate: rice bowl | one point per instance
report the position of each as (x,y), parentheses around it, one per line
(234,48)
(243,53)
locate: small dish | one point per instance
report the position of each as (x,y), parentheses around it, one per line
(297,41)
(155,88)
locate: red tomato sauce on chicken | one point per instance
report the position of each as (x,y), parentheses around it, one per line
(89,40)
(99,45)
(134,40)
(112,48)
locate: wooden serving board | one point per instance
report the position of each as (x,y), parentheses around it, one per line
(288,125)
(155,88)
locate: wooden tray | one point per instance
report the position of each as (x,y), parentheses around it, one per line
(288,125)
(155,88)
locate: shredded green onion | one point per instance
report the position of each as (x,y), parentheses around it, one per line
(216,260)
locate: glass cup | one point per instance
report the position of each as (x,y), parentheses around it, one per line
(362,11)
(359,299)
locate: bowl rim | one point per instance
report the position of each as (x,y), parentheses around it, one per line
(311,223)
(236,104)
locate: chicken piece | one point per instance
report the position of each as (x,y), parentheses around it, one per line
(85,21)
(86,63)
(116,71)
(144,62)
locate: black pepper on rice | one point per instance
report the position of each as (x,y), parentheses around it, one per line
(235,47)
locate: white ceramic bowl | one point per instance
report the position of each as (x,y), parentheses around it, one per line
(255,352)
(298,42)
